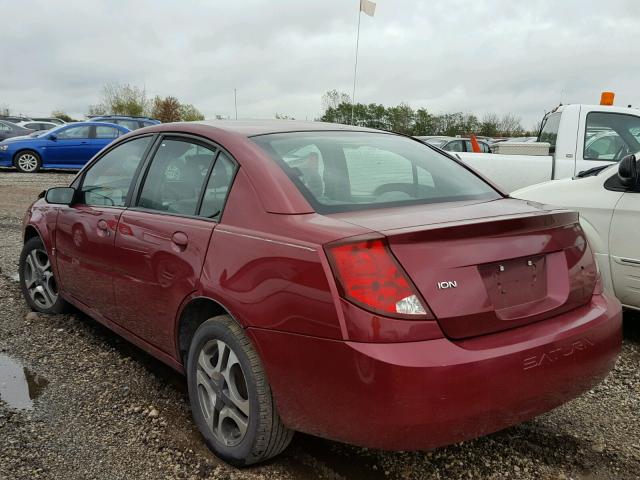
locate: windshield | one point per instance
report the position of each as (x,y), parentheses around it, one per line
(438,142)
(549,132)
(346,171)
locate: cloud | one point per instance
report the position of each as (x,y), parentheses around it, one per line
(281,55)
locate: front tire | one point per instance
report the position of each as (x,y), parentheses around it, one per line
(27,161)
(230,396)
(37,281)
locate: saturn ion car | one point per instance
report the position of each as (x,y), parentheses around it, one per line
(344,282)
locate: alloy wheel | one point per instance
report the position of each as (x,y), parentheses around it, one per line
(39,279)
(28,162)
(222,392)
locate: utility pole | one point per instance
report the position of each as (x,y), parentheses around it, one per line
(355,67)
(235,100)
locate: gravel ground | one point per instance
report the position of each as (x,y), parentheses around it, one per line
(104,409)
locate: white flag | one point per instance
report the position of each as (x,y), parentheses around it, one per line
(368,7)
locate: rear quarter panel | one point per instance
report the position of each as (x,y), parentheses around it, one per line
(269,270)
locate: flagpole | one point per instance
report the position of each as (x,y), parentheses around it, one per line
(355,68)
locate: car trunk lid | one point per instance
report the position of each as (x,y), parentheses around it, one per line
(482,273)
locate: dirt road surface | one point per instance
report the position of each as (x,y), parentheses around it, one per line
(77,402)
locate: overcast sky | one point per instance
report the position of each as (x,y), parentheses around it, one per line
(472,56)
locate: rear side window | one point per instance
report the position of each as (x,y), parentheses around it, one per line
(218,186)
(611,136)
(176,178)
(345,171)
(107,182)
(106,132)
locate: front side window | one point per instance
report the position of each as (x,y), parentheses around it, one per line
(4,127)
(74,132)
(107,182)
(107,132)
(345,171)
(611,136)
(176,177)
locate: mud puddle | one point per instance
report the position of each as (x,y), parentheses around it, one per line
(19,386)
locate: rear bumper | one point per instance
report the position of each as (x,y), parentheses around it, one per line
(421,395)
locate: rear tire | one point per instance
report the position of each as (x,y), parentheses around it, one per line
(37,281)
(230,396)
(27,161)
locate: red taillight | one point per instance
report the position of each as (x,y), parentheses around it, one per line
(369,275)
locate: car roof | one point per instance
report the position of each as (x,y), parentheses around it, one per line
(123,117)
(249,128)
(89,124)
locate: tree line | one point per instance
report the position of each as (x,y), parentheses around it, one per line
(404,119)
(131,100)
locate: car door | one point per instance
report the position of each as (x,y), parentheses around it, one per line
(162,240)
(606,137)
(102,136)
(624,248)
(69,146)
(85,231)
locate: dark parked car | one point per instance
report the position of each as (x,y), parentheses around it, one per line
(345,282)
(132,123)
(9,130)
(38,126)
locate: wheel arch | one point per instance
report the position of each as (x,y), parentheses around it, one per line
(30,232)
(25,149)
(194,313)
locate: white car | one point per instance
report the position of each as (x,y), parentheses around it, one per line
(37,125)
(608,200)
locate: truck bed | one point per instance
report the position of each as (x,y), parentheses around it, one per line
(510,172)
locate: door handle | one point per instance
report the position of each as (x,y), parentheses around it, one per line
(180,239)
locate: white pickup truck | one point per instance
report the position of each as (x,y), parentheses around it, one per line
(581,137)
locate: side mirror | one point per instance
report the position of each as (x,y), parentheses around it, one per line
(52,137)
(60,195)
(628,171)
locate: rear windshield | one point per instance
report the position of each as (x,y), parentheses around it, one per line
(346,171)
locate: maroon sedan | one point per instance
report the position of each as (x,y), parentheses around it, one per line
(344,282)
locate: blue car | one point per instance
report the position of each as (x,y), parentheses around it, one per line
(68,146)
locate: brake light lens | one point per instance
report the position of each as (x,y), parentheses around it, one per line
(368,275)
(599,287)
